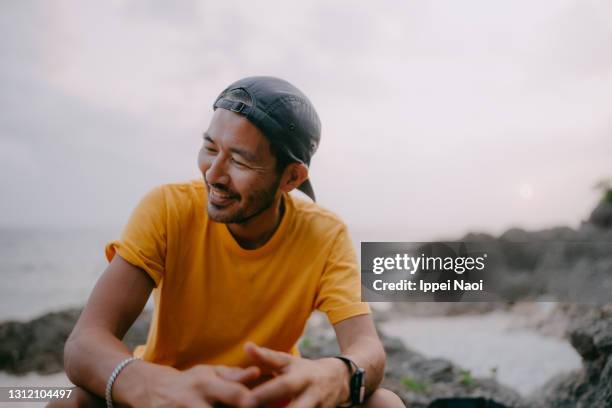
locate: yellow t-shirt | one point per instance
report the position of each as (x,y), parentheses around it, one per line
(212,295)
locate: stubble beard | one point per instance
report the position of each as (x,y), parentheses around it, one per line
(256,203)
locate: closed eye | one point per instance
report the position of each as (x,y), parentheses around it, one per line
(239,163)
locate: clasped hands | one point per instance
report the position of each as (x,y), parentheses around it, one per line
(274,379)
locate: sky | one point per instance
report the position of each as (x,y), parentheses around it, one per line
(439,117)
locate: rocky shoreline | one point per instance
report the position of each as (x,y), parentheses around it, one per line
(38,345)
(591,386)
(420,381)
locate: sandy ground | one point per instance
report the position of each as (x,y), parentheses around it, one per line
(522,358)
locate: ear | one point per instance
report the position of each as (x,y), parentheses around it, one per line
(294,175)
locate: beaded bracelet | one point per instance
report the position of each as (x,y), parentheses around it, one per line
(113,377)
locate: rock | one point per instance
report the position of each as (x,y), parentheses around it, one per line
(590,386)
(424,309)
(583,343)
(561,263)
(38,345)
(602,215)
(436,369)
(137,334)
(602,336)
(419,381)
(593,338)
(606,373)
(570,265)
(465,403)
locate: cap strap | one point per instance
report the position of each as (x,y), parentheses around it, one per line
(234,106)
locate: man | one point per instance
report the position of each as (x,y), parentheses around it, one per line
(236,266)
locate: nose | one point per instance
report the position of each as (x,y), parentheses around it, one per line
(216,172)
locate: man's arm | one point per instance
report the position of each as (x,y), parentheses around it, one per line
(94,349)
(359,341)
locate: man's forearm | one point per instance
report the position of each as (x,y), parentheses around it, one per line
(91,355)
(368,353)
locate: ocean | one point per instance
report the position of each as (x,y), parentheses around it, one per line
(48,269)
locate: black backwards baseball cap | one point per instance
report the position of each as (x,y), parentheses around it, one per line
(284,115)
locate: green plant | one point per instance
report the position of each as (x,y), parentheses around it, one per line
(605,186)
(466,379)
(413,385)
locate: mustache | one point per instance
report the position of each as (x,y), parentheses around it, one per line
(222,188)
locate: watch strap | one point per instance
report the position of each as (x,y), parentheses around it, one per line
(356,382)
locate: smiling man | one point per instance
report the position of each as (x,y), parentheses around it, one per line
(236,266)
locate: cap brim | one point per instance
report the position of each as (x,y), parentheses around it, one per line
(306,188)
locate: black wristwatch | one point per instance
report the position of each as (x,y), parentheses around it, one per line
(356,383)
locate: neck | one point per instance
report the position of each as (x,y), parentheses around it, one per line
(258,230)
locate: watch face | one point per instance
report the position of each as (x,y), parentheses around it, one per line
(358,386)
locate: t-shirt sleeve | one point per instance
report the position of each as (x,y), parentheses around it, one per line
(339,294)
(143,240)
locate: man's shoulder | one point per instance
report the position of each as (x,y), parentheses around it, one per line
(317,217)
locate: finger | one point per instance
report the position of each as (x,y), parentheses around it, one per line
(260,380)
(237,374)
(266,358)
(305,400)
(198,404)
(227,392)
(281,387)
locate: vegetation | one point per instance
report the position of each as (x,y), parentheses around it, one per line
(466,379)
(413,385)
(605,186)
(306,343)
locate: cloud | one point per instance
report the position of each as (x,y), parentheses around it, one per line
(423,104)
